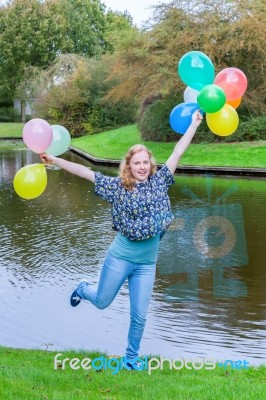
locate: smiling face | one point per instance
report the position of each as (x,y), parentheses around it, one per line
(140,166)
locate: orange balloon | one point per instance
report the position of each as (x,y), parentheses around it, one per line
(234,103)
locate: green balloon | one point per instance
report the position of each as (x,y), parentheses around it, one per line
(60,142)
(211,98)
(196,70)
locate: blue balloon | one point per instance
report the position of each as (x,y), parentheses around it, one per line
(181,116)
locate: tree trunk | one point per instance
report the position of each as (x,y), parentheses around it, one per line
(23,110)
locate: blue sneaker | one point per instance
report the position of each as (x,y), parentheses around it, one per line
(133,365)
(75,298)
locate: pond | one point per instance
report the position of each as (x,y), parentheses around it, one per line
(209,294)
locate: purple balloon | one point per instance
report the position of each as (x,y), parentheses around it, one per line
(181,116)
(37,135)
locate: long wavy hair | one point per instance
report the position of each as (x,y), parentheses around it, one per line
(127,179)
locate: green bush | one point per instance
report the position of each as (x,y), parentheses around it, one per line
(64,105)
(104,112)
(9,114)
(253,129)
(154,125)
(154,118)
(248,130)
(107,115)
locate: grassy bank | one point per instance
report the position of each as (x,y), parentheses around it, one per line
(114,144)
(11,129)
(30,374)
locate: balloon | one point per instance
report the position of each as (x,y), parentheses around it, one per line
(37,135)
(190,95)
(234,103)
(211,98)
(61,140)
(196,70)
(223,122)
(233,81)
(30,181)
(181,116)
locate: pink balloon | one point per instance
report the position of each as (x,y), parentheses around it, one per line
(37,135)
(233,81)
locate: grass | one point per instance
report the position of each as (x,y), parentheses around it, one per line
(11,129)
(30,374)
(115,143)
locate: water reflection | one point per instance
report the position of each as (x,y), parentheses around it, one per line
(209,295)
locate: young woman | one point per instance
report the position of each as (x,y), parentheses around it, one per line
(141,214)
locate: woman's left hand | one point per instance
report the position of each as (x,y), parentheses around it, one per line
(196,118)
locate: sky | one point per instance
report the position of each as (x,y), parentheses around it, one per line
(138,9)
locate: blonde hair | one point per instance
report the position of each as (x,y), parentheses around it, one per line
(125,174)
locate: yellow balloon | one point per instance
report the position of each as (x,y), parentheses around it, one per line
(224,122)
(30,181)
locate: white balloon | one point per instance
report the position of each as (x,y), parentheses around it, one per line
(190,95)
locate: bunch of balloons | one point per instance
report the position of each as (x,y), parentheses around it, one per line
(31,180)
(218,96)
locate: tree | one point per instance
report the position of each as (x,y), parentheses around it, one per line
(71,92)
(231,33)
(84,26)
(119,24)
(34,32)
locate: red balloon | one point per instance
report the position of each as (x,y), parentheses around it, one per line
(233,81)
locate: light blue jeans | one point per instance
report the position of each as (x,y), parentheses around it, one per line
(140,283)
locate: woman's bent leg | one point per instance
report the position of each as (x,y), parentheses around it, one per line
(113,275)
(140,284)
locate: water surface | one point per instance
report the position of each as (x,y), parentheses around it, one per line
(209,294)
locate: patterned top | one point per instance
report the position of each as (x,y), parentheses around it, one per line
(143,212)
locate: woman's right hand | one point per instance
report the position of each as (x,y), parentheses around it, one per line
(47,158)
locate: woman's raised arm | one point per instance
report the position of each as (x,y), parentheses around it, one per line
(184,142)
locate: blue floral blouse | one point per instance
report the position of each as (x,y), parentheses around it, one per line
(143,212)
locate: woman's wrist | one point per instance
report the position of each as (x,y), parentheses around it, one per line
(53,159)
(194,126)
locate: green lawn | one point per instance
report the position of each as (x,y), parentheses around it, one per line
(11,129)
(114,144)
(30,375)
